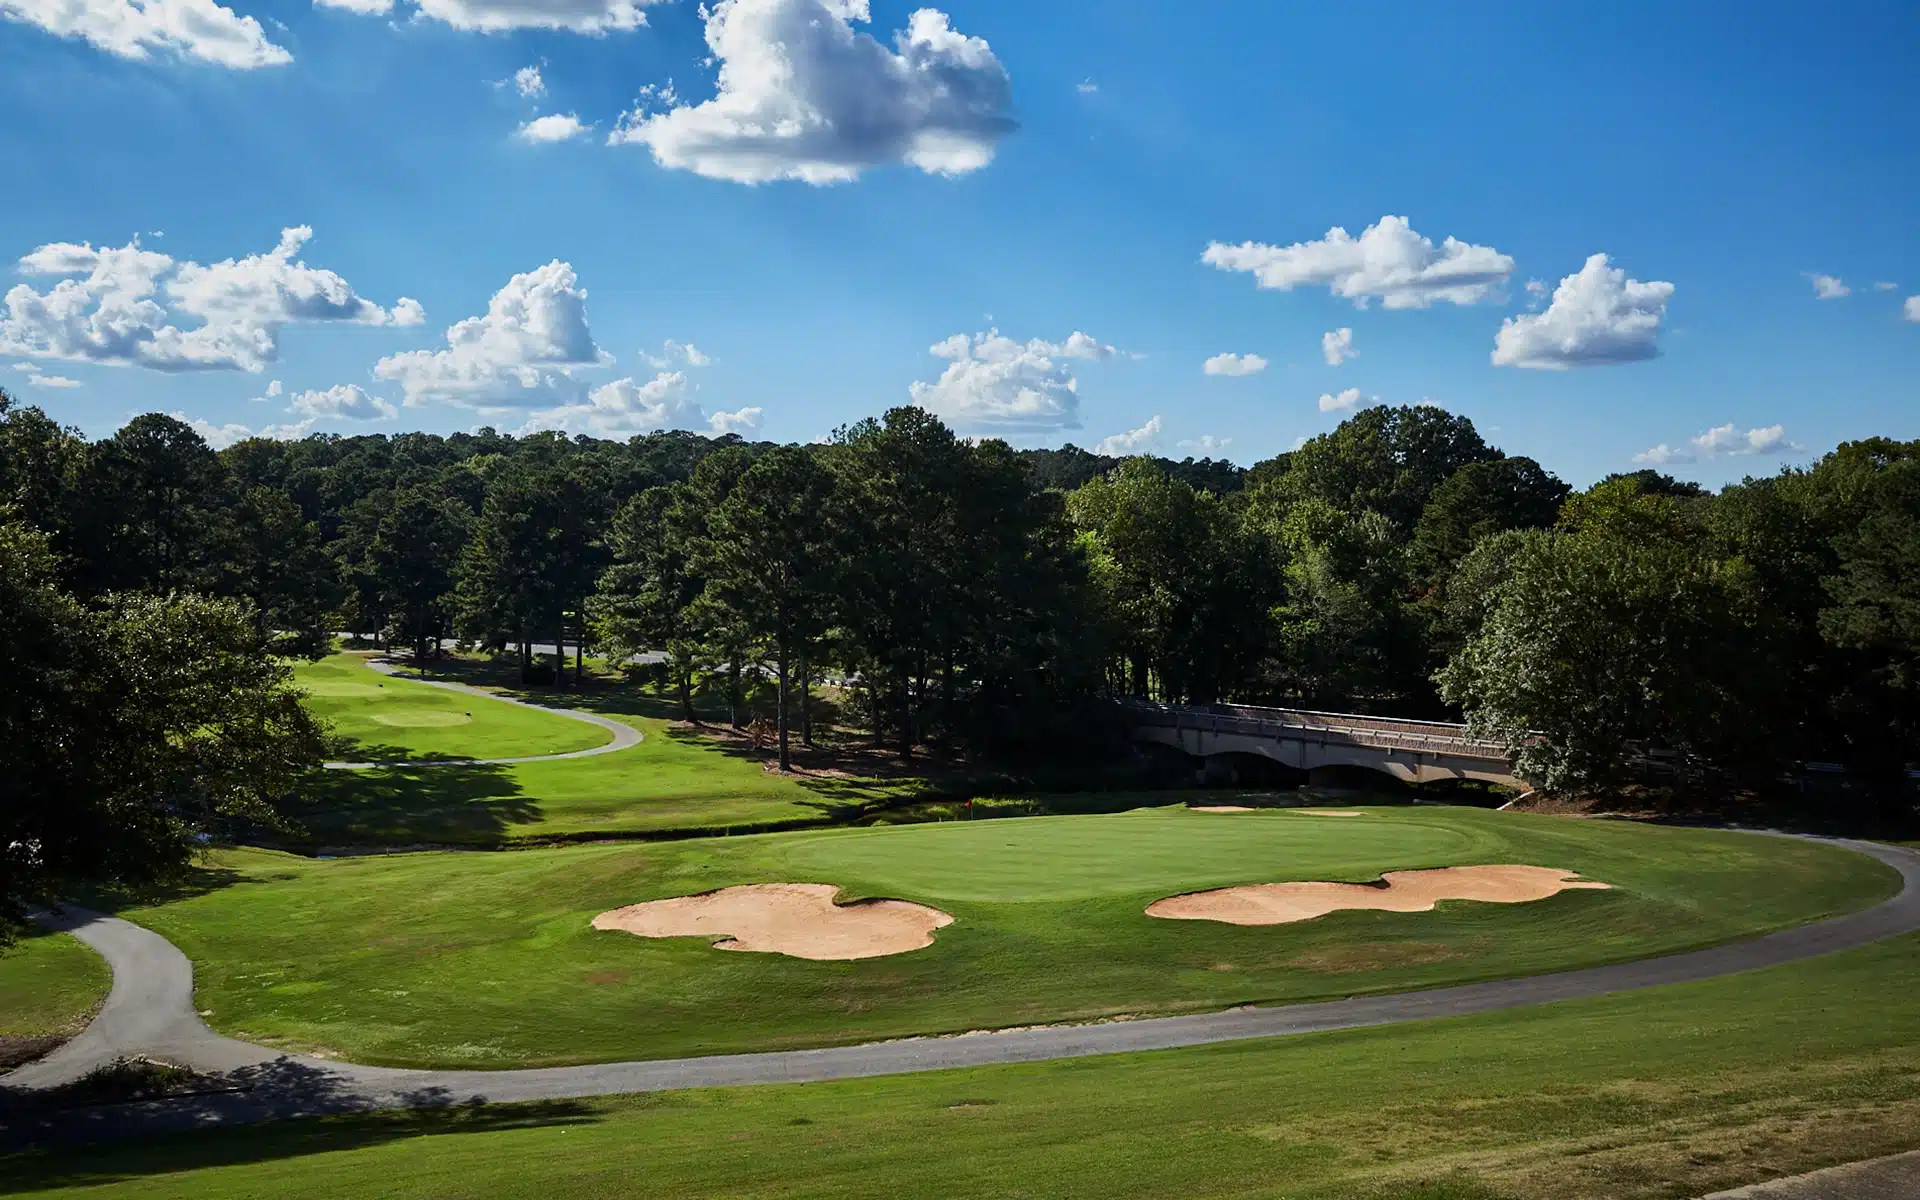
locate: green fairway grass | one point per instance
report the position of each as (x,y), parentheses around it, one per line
(393,719)
(1668,1092)
(468,959)
(49,983)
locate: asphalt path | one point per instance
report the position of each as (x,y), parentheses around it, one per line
(624,736)
(150,1011)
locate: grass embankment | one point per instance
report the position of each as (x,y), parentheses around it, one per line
(50,983)
(390,718)
(488,960)
(1663,1093)
(674,780)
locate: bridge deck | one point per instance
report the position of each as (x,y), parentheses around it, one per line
(1391,733)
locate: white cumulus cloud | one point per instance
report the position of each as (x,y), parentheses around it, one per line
(1911,309)
(1234,364)
(742,421)
(674,354)
(1388,261)
(198,29)
(1598,316)
(498,16)
(520,354)
(36,379)
(1337,346)
(345,402)
(1829,287)
(804,95)
(554,127)
(1722,441)
(1343,401)
(1206,443)
(128,305)
(222,436)
(627,407)
(528,83)
(994,382)
(1133,441)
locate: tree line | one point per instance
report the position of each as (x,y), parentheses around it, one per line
(980,598)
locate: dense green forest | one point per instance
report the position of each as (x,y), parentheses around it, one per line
(985,600)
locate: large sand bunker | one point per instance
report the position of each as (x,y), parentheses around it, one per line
(1398,891)
(796,919)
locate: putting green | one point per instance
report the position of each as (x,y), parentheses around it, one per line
(1148,850)
(425,718)
(394,719)
(480,960)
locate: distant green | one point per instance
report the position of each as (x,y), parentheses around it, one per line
(49,983)
(390,718)
(1648,1095)
(463,959)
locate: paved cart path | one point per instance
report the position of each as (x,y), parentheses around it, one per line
(150,1011)
(624,736)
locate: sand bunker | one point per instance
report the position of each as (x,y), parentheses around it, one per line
(1398,891)
(796,919)
(1219,808)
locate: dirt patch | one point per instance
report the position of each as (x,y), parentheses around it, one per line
(1328,812)
(18,1051)
(1220,808)
(1397,891)
(800,920)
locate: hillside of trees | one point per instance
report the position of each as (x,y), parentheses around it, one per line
(986,600)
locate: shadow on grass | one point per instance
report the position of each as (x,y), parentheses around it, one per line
(41,1139)
(471,803)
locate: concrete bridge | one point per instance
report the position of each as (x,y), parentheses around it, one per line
(1411,751)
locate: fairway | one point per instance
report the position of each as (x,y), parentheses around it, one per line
(49,984)
(471,960)
(393,719)
(1670,1092)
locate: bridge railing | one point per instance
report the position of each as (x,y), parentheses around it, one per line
(1432,737)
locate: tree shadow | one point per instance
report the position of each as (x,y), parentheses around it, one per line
(402,804)
(48,1146)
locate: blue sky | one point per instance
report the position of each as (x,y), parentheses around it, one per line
(859,208)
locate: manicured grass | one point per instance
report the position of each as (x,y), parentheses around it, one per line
(392,719)
(49,983)
(465,959)
(1664,1093)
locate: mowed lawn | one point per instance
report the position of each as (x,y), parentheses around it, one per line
(672,780)
(49,984)
(391,718)
(1664,1093)
(484,960)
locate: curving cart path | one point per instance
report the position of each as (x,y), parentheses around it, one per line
(624,736)
(150,1011)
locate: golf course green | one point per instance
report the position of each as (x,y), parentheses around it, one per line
(390,718)
(483,960)
(1669,1092)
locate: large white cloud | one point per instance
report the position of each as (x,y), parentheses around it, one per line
(498,16)
(520,354)
(554,127)
(994,382)
(123,306)
(1911,309)
(344,402)
(1234,364)
(1829,287)
(1133,441)
(1388,261)
(1722,441)
(197,29)
(803,95)
(222,436)
(627,407)
(1598,316)
(1346,400)
(1336,346)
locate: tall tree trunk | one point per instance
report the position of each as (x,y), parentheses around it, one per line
(806,697)
(780,651)
(906,715)
(580,647)
(734,699)
(560,655)
(683,673)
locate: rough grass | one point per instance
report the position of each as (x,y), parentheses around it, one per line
(49,984)
(480,960)
(394,719)
(1665,1093)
